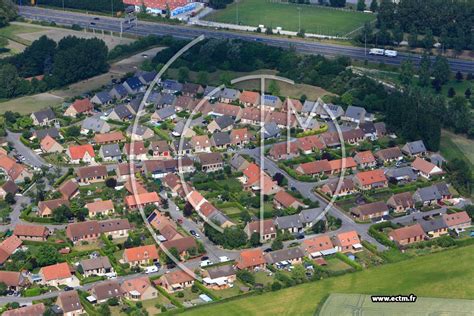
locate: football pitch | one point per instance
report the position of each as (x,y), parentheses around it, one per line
(358,304)
(314,19)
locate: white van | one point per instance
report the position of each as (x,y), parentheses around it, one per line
(376,51)
(391,53)
(151,269)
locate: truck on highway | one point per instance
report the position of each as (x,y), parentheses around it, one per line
(383,52)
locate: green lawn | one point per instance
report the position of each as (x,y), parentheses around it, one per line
(457,146)
(314,19)
(11,32)
(28,104)
(440,275)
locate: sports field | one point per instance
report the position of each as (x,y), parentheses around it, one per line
(314,19)
(358,304)
(439,275)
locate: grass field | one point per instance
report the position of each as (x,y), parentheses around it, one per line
(356,304)
(28,104)
(314,19)
(440,275)
(457,146)
(13,31)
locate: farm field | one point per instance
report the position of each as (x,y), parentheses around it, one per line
(352,304)
(435,275)
(314,19)
(457,146)
(31,103)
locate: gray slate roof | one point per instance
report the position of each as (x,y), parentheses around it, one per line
(224,121)
(355,112)
(103,97)
(290,221)
(284,255)
(93,123)
(45,114)
(271,130)
(52,132)
(414,148)
(405,172)
(433,224)
(166,112)
(221,138)
(111,150)
(309,215)
(229,93)
(95,263)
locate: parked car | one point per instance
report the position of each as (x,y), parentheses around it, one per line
(205,263)
(151,269)
(193,232)
(224,259)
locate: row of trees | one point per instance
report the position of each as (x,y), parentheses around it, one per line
(8,12)
(71,60)
(450,21)
(90,5)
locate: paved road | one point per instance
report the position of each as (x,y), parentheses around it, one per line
(187,32)
(31,158)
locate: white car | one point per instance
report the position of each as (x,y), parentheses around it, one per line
(223,259)
(205,263)
(151,269)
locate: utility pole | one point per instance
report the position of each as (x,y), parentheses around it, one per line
(112,6)
(237,12)
(299,20)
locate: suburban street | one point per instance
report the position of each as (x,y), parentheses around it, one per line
(188,32)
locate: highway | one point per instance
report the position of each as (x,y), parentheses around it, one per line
(188,32)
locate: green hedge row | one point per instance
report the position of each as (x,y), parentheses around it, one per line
(350,262)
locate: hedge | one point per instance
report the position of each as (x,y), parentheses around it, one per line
(350,262)
(32,292)
(375,232)
(63,177)
(206,291)
(172,299)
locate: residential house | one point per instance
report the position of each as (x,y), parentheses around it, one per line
(285,257)
(8,187)
(252,116)
(185,246)
(185,103)
(8,247)
(251,180)
(81,153)
(166,100)
(416,148)
(250,259)
(218,278)
(269,230)
(240,137)
(83,231)
(175,281)
(370,211)
(380,128)
(318,246)
(407,235)
(368,180)
(401,175)
(141,256)
(100,207)
(139,132)
(42,133)
(284,151)
(389,155)
(331,139)
(347,242)
(160,149)
(330,187)
(43,117)
(133,85)
(96,266)
(35,309)
(223,109)
(365,159)
(401,202)
(139,289)
(50,145)
(109,138)
(142,199)
(220,219)
(147,77)
(92,174)
(229,95)
(434,227)
(220,140)
(433,194)
(125,170)
(110,152)
(292,105)
(119,113)
(94,124)
(353,136)
(222,123)
(70,303)
(161,115)
(211,162)
(425,168)
(270,130)
(14,281)
(115,228)
(369,130)
(335,166)
(103,291)
(314,168)
(271,102)
(158,220)
(458,220)
(101,98)
(249,98)
(168,233)
(118,92)
(183,131)
(46,208)
(239,163)
(328,111)
(355,114)
(31,232)
(192,89)
(283,200)
(290,223)
(282,120)
(171,86)
(136,150)
(201,143)
(13,170)
(80,106)
(309,144)
(58,274)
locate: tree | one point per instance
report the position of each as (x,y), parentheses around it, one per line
(459,76)
(3,288)
(47,255)
(104,309)
(424,71)
(274,88)
(397,33)
(337,3)
(406,73)
(451,92)
(246,276)
(277,244)
(360,5)
(468,93)
(279,177)
(374,6)
(319,227)
(183,74)
(441,70)
(413,38)
(202,78)
(225,78)
(10,198)
(73,131)
(255,239)
(298,274)
(428,40)
(459,115)
(111,182)
(8,12)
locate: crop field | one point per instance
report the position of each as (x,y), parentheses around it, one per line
(314,19)
(435,275)
(358,304)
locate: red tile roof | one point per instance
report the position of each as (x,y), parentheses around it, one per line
(424,166)
(83,105)
(348,238)
(318,243)
(56,272)
(250,258)
(364,157)
(406,232)
(30,230)
(371,177)
(148,252)
(158,4)
(78,152)
(250,97)
(457,218)
(142,198)
(109,137)
(285,199)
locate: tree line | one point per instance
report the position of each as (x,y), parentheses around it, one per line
(450,21)
(70,60)
(8,12)
(90,5)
